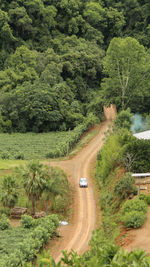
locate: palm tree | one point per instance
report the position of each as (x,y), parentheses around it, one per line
(34,181)
(9,194)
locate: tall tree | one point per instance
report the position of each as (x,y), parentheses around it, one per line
(127,71)
(34,181)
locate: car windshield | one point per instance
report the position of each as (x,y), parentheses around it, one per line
(83,179)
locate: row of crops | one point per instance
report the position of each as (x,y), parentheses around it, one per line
(21,244)
(44,145)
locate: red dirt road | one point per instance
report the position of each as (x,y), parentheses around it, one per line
(77,233)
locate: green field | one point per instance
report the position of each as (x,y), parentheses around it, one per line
(20,146)
(29,145)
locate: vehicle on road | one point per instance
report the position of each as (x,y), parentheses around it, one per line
(83,182)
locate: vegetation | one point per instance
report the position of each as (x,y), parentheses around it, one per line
(125,187)
(134,205)
(35,184)
(4,222)
(9,195)
(30,146)
(62,60)
(26,242)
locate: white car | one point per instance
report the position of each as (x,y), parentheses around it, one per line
(83,182)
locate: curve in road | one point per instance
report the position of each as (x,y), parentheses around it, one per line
(76,236)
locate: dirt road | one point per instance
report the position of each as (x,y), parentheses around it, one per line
(77,233)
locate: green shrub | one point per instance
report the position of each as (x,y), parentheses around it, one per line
(142,197)
(5,155)
(145,197)
(27,221)
(19,156)
(125,186)
(4,222)
(106,199)
(5,211)
(54,219)
(148,199)
(134,205)
(134,219)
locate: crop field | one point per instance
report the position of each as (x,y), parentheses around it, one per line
(29,145)
(11,239)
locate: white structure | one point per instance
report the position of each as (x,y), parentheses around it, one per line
(143,135)
(141,175)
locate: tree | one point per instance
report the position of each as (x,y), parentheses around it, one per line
(20,68)
(9,194)
(34,181)
(126,69)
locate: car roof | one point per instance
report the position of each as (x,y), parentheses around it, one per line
(83,178)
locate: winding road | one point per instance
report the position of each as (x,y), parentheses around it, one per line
(77,233)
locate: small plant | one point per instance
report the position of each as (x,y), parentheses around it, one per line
(4,222)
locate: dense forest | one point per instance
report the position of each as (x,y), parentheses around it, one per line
(62,60)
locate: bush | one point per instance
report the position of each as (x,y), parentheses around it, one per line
(54,219)
(148,199)
(145,197)
(106,199)
(134,219)
(27,221)
(4,222)
(5,155)
(125,186)
(5,211)
(134,205)
(19,156)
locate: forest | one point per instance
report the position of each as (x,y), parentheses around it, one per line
(56,61)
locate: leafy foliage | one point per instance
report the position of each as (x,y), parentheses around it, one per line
(26,242)
(27,221)
(123,119)
(125,186)
(145,197)
(125,65)
(9,194)
(134,219)
(134,205)
(4,222)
